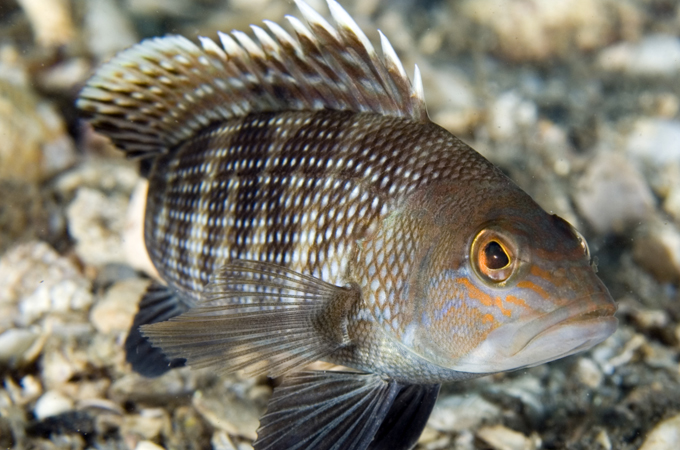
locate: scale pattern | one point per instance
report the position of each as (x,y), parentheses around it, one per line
(297,189)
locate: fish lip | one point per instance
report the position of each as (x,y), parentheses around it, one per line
(582,310)
(574,327)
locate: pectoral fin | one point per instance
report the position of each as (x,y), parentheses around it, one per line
(260,317)
(159,304)
(325,410)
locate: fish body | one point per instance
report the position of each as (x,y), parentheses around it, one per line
(302,207)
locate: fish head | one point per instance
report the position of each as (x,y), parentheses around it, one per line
(515,291)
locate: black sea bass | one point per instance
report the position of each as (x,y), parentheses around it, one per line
(302,207)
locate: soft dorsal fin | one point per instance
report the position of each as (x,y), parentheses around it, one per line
(163,90)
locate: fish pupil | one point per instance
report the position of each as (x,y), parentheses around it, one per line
(495,257)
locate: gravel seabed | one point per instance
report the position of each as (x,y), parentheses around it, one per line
(577,100)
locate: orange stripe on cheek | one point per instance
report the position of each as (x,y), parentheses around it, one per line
(488,318)
(538,272)
(485,299)
(475,293)
(534,287)
(499,305)
(516,301)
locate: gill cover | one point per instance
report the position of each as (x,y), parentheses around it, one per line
(525,294)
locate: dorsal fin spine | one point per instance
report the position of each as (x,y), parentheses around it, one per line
(162,91)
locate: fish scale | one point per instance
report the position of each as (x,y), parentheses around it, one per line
(302,207)
(242,178)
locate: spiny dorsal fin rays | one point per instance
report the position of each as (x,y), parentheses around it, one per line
(164,90)
(348,58)
(352,34)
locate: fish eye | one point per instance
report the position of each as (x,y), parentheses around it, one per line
(492,256)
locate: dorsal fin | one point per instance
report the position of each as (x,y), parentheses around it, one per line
(163,90)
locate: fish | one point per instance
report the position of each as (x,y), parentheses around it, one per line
(302,207)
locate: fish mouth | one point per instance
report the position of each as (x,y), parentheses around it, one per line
(567,330)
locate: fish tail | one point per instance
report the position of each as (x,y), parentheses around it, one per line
(162,91)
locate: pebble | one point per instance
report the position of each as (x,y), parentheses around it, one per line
(96,222)
(656,248)
(227,412)
(108,28)
(654,142)
(148,424)
(221,441)
(35,144)
(612,195)
(51,21)
(664,436)
(527,389)
(461,412)
(500,437)
(534,30)
(602,439)
(116,310)
(50,404)
(148,445)
(40,281)
(15,343)
(509,114)
(654,55)
(109,175)
(588,373)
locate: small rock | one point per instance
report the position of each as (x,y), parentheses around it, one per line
(465,440)
(109,175)
(602,439)
(35,144)
(657,249)
(221,441)
(51,21)
(536,29)
(461,412)
(148,445)
(664,436)
(612,195)
(51,403)
(500,437)
(655,142)
(14,343)
(22,213)
(654,55)
(628,352)
(227,412)
(41,281)
(650,318)
(115,312)
(509,114)
(96,222)
(148,424)
(527,389)
(588,373)
(108,28)
(133,387)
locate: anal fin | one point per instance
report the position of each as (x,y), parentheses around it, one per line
(325,411)
(159,304)
(261,317)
